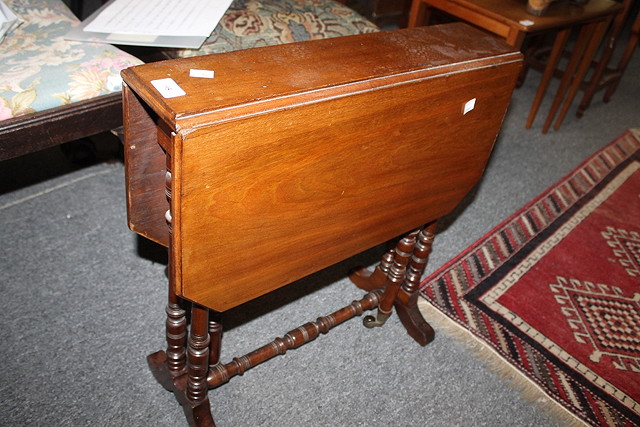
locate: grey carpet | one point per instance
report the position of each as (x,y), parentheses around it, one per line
(83,300)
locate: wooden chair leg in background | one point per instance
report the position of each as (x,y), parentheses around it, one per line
(567,76)
(624,60)
(419,14)
(602,64)
(552,62)
(593,43)
(603,75)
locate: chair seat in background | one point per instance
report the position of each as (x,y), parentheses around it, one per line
(255,23)
(40,70)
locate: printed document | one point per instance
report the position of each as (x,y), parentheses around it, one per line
(8,20)
(159,17)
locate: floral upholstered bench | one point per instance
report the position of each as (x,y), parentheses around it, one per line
(53,90)
(256,23)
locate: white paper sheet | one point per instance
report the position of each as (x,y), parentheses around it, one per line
(160,17)
(8,20)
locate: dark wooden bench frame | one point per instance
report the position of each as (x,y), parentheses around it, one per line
(33,132)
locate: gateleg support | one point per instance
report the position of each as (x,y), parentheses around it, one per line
(189,385)
(413,321)
(198,414)
(406,302)
(402,269)
(368,280)
(184,367)
(397,272)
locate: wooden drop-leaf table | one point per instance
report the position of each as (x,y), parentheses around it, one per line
(295,157)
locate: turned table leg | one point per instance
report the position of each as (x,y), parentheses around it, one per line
(395,277)
(371,280)
(406,302)
(400,270)
(184,367)
(166,366)
(192,389)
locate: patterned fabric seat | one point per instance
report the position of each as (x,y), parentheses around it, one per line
(53,90)
(255,23)
(40,70)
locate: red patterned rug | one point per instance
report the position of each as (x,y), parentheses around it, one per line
(555,289)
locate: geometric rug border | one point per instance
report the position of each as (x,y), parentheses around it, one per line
(462,274)
(530,390)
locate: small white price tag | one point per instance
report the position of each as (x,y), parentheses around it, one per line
(468,106)
(168,88)
(203,74)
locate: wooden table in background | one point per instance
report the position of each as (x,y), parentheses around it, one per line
(510,20)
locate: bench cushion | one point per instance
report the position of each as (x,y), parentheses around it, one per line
(40,70)
(255,23)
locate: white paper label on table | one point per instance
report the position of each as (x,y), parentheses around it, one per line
(168,88)
(204,74)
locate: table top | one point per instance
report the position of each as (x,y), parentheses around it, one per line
(513,12)
(295,157)
(256,80)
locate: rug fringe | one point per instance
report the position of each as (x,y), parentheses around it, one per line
(530,391)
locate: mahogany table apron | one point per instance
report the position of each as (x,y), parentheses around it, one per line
(510,20)
(295,157)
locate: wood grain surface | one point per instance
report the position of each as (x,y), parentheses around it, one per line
(295,157)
